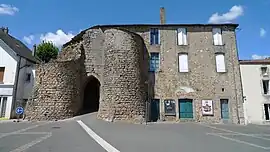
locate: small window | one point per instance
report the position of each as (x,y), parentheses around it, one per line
(264,70)
(182,36)
(154,62)
(220,63)
(154,36)
(265,84)
(183,62)
(28,77)
(2,72)
(217,36)
(169,105)
(267,111)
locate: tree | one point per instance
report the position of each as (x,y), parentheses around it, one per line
(47,51)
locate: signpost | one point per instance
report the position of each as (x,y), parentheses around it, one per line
(19,111)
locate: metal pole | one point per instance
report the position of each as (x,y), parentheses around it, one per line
(146,103)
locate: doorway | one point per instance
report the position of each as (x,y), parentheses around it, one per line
(155,110)
(224,106)
(185,108)
(91,96)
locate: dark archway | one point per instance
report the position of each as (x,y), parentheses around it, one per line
(91,96)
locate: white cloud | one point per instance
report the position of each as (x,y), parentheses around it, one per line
(262,32)
(8,9)
(234,13)
(29,39)
(256,57)
(59,38)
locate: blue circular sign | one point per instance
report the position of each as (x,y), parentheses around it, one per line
(19,110)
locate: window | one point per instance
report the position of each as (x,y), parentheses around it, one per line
(264,70)
(217,36)
(220,63)
(154,62)
(182,36)
(154,36)
(183,62)
(3,105)
(28,77)
(265,84)
(266,111)
(169,105)
(2,71)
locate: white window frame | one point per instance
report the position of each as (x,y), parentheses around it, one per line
(220,62)
(268,106)
(217,36)
(183,62)
(182,36)
(268,92)
(266,72)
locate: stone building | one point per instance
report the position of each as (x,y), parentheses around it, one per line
(187,72)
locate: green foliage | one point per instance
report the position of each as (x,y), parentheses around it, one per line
(47,51)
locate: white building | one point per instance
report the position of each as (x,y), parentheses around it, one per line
(16,73)
(256,90)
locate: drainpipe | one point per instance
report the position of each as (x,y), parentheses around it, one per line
(15,86)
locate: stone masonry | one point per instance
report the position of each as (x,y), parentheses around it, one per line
(113,56)
(117,55)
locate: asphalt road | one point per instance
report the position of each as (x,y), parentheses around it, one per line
(86,134)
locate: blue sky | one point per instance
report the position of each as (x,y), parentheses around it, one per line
(59,20)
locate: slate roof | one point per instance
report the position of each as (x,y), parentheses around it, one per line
(17,46)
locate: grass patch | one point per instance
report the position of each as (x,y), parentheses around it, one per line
(3,119)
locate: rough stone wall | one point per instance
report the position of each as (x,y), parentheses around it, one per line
(202,77)
(57,90)
(124,88)
(60,84)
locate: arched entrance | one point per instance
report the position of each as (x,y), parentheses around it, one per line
(91,95)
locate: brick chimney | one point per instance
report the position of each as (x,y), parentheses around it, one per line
(162,16)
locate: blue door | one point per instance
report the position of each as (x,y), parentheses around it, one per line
(224,104)
(154,110)
(185,108)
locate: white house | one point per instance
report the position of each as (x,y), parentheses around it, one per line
(255,76)
(16,73)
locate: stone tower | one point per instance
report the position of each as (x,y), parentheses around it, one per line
(101,69)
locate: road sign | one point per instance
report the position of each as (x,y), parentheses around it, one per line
(19,110)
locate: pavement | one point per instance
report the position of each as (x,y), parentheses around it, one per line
(87,134)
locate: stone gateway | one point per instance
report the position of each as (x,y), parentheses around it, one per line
(102,70)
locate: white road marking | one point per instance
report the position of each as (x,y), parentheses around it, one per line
(226,130)
(236,134)
(240,141)
(30,133)
(22,130)
(34,142)
(99,140)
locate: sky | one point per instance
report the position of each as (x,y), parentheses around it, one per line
(33,21)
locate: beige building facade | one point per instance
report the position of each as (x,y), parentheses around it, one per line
(256,90)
